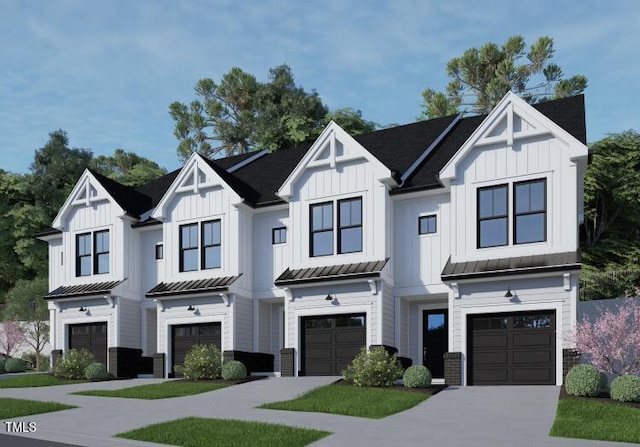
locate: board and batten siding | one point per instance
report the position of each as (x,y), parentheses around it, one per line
(351,180)
(531,159)
(243,323)
(152,268)
(269,260)
(264,329)
(57,263)
(419,258)
(388,314)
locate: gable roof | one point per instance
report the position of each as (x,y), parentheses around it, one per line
(131,201)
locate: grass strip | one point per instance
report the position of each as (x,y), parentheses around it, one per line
(165,390)
(200,432)
(374,403)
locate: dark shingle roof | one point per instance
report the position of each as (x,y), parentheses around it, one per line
(131,201)
(158,187)
(192,287)
(511,266)
(331,273)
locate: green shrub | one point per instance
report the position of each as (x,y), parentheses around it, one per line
(373,368)
(234,370)
(626,388)
(96,371)
(2,362)
(583,380)
(31,358)
(417,376)
(73,364)
(15,365)
(201,362)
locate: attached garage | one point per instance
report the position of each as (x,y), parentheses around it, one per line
(330,342)
(92,337)
(184,336)
(512,348)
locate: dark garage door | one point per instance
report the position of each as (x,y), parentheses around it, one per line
(186,335)
(512,349)
(331,342)
(92,337)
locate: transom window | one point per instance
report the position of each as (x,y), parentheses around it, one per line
(529,214)
(492,216)
(92,253)
(350,225)
(322,229)
(427,224)
(530,211)
(278,235)
(200,246)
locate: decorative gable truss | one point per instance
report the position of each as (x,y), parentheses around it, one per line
(87,192)
(512,120)
(334,147)
(196,177)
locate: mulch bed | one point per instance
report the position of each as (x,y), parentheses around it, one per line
(432,390)
(602,397)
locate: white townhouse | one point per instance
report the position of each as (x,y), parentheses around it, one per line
(453,242)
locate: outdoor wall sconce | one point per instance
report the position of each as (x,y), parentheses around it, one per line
(191,308)
(508,294)
(329,297)
(82,309)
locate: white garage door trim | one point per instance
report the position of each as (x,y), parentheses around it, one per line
(509,308)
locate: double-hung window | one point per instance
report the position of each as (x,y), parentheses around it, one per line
(322,229)
(101,258)
(83,254)
(349,225)
(211,255)
(492,216)
(189,247)
(92,253)
(530,211)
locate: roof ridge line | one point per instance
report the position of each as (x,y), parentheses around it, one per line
(247,161)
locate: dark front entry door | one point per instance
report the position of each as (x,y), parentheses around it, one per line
(435,340)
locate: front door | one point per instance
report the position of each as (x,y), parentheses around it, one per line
(435,340)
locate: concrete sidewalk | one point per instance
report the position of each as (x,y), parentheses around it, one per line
(472,416)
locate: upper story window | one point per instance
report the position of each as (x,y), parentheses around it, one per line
(427,224)
(530,223)
(492,216)
(101,259)
(211,245)
(92,253)
(209,249)
(279,235)
(188,247)
(349,225)
(159,251)
(322,229)
(529,214)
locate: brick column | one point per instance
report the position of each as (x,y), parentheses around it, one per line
(570,358)
(158,365)
(453,368)
(287,362)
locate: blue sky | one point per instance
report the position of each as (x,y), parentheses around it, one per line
(106,72)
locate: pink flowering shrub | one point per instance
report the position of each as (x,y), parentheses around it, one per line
(11,337)
(612,341)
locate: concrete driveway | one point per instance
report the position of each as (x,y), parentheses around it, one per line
(473,416)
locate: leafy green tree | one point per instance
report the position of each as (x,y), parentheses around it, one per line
(241,114)
(482,76)
(350,120)
(25,304)
(612,201)
(127,168)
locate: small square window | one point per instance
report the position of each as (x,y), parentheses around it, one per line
(279,235)
(427,224)
(159,251)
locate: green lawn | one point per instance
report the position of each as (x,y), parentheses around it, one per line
(199,432)
(35,380)
(602,421)
(374,403)
(15,408)
(163,390)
